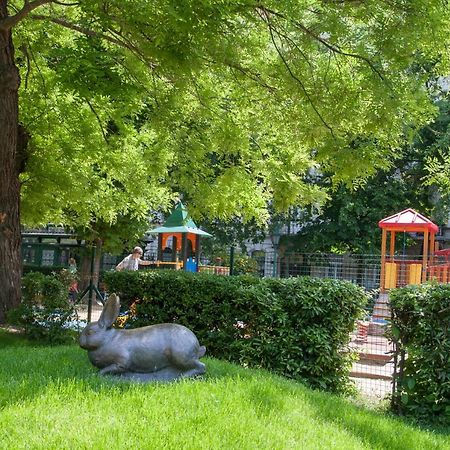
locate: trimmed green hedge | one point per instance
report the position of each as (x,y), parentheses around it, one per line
(421,327)
(297,327)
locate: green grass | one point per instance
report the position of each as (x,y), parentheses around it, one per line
(51,398)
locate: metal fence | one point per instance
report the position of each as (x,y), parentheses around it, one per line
(363,270)
(373,371)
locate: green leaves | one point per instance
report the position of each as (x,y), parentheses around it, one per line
(130,103)
(410,382)
(422,332)
(45,313)
(395,332)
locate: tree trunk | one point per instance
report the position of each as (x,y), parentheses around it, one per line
(85,271)
(97,260)
(10,245)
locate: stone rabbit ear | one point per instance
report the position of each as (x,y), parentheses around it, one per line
(110,311)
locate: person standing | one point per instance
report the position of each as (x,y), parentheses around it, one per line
(72,265)
(132,261)
(73,290)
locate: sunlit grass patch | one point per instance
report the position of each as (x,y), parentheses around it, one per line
(51,397)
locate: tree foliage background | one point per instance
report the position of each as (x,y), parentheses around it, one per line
(230,102)
(417,178)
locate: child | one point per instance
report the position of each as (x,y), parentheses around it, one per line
(73,291)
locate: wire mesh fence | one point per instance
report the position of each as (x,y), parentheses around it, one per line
(363,270)
(373,370)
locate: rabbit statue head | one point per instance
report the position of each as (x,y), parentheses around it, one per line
(157,352)
(97,333)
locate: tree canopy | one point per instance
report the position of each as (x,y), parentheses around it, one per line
(435,145)
(230,102)
(348,222)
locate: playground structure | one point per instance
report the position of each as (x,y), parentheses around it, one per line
(375,368)
(179,242)
(439,268)
(400,270)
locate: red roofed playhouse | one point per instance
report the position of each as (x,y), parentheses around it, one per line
(399,271)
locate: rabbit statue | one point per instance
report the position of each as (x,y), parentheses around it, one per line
(164,351)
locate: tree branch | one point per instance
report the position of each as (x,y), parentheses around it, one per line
(334,48)
(10,21)
(91,107)
(24,50)
(122,42)
(72,26)
(249,73)
(130,46)
(66,4)
(266,18)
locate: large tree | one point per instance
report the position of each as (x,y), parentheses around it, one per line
(232,101)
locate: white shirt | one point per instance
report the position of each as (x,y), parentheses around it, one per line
(129,263)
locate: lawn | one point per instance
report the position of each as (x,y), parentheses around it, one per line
(51,398)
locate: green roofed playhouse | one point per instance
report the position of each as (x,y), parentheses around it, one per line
(185,240)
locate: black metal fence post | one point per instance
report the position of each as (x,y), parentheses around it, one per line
(232,260)
(91,289)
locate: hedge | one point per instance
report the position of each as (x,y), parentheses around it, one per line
(421,328)
(298,327)
(45,313)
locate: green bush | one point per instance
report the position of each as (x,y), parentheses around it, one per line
(298,327)
(45,311)
(420,326)
(245,265)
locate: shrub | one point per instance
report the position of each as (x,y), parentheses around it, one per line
(298,327)
(245,265)
(420,326)
(45,311)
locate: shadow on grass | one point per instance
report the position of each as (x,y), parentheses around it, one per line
(10,336)
(26,371)
(28,368)
(377,429)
